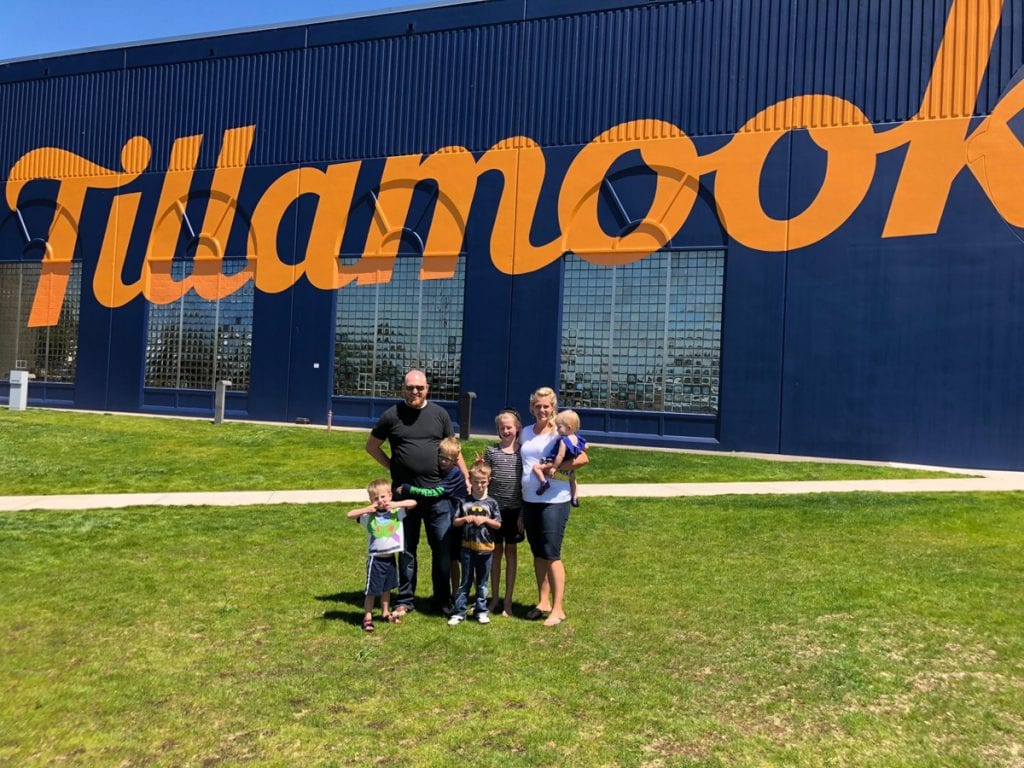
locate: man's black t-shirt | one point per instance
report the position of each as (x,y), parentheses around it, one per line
(413,435)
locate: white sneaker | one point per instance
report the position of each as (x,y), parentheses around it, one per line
(483,618)
(455,620)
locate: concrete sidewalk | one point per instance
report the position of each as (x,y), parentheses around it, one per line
(984,480)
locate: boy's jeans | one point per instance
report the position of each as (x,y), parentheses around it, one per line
(476,566)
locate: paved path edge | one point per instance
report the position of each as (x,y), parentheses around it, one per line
(984,481)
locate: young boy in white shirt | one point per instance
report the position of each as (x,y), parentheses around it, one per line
(382,519)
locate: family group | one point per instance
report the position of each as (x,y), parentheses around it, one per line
(522,486)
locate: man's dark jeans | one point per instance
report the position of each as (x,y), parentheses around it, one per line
(436,516)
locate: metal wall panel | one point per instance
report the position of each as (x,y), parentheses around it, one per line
(1007,59)
(435,17)
(66,112)
(170,101)
(710,67)
(585,74)
(219,45)
(411,94)
(705,66)
(921,332)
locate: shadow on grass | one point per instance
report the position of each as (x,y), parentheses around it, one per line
(355,599)
(349,617)
(350,598)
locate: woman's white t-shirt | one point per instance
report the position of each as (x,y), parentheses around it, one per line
(534,448)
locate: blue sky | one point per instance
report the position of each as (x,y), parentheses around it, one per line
(37,28)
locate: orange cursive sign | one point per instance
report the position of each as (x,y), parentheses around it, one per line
(937,143)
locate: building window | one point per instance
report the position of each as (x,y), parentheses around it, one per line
(193,343)
(49,353)
(386,329)
(644,336)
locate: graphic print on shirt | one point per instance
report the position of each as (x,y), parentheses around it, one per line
(385,527)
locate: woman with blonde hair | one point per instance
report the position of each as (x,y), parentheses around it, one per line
(546,513)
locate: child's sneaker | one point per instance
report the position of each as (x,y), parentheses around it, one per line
(483,618)
(455,620)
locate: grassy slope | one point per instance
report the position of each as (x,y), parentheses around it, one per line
(66,452)
(846,630)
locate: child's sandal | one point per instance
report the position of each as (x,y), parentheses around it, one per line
(368,625)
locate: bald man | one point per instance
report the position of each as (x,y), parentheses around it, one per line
(413,429)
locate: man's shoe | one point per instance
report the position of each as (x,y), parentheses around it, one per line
(483,618)
(455,620)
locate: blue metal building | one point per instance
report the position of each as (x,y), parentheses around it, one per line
(772,225)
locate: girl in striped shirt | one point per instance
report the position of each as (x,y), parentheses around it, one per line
(506,488)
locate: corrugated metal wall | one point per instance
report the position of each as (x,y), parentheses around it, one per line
(61,112)
(562,72)
(1006,58)
(707,66)
(169,101)
(415,93)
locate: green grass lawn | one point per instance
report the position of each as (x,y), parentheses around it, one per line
(839,630)
(47,451)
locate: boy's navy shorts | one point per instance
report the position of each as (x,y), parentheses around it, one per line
(381,574)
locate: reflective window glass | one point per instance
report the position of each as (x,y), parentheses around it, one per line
(50,353)
(644,336)
(386,329)
(193,343)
